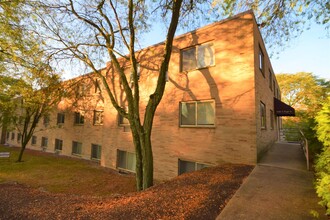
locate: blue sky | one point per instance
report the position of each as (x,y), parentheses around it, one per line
(308,53)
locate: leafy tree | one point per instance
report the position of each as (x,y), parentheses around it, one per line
(28,85)
(323,161)
(306,93)
(24,101)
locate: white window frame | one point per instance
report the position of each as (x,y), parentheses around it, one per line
(99,150)
(44,142)
(58,144)
(212,101)
(78,146)
(261,61)
(127,154)
(196,164)
(263,116)
(198,58)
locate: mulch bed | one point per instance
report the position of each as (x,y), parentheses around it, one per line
(197,195)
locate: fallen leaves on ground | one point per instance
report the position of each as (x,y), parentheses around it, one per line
(196,195)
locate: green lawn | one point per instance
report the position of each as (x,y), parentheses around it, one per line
(61,174)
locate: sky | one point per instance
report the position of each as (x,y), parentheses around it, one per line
(310,52)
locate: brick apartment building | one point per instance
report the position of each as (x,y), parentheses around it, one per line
(218,106)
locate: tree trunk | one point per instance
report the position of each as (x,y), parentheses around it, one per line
(138,156)
(147,159)
(23,146)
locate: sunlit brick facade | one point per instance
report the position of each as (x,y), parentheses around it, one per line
(217,107)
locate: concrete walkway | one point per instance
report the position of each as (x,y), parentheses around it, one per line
(279,187)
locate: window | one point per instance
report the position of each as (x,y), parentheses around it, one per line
(188,166)
(76,147)
(270,80)
(261,61)
(274,88)
(44,142)
(12,136)
(197,113)
(96,152)
(46,120)
(8,135)
(263,115)
(79,118)
(34,140)
(58,144)
(81,90)
(126,160)
(271,119)
(60,118)
(98,117)
(19,137)
(197,57)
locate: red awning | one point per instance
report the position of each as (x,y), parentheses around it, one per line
(282,109)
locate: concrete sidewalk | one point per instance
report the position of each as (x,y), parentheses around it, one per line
(279,187)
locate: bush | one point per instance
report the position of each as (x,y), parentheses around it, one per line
(323,163)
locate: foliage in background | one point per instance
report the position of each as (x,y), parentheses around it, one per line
(29,86)
(306,93)
(323,162)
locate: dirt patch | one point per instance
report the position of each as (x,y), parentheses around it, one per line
(197,195)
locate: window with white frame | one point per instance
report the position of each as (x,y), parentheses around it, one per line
(197,113)
(34,140)
(58,144)
(271,115)
(197,57)
(126,160)
(44,142)
(60,118)
(98,117)
(76,147)
(12,135)
(189,166)
(79,118)
(261,61)
(263,115)
(96,152)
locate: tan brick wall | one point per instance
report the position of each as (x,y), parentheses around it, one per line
(264,93)
(232,82)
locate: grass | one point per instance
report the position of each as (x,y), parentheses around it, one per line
(60,174)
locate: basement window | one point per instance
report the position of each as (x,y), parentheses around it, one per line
(126,160)
(76,148)
(190,166)
(58,144)
(96,152)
